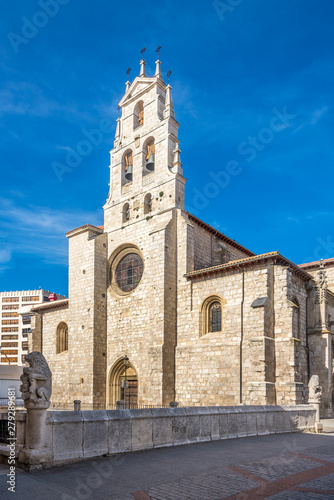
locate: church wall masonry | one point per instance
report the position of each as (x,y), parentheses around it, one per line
(290,339)
(212,361)
(142,324)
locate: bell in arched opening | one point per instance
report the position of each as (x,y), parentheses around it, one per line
(150,158)
(128,167)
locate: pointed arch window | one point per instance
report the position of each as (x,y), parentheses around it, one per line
(138,115)
(127,167)
(149,156)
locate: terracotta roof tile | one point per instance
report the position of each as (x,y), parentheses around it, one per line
(309,265)
(256,258)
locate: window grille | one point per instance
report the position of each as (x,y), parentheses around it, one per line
(129,272)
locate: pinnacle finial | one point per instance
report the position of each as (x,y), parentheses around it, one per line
(142,62)
(169,106)
(158,68)
(142,67)
(158,63)
(128,82)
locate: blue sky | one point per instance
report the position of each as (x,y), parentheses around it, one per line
(252,85)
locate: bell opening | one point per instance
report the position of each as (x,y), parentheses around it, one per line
(150,163)
(128,174)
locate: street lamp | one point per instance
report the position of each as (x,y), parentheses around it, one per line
(126,363)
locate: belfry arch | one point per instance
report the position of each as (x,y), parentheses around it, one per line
(116,384)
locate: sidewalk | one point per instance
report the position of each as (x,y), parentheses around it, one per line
(281,466)
(328,424)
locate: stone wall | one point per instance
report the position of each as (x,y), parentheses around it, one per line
(74,436)
(59,364)
(208,366)
(80,371)
(210,250)
(290,344)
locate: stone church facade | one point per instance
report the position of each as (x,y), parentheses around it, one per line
(203,320)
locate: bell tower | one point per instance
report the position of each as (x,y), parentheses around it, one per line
(146,174)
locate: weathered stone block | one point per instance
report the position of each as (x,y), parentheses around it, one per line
(142,433)
(67,436)
(251,423)
(163,431)
(193,429)
(205,427)
(223,424)
(241,422)
(279,420)
(179,429)
(119,436)
(95,433)
(232,424)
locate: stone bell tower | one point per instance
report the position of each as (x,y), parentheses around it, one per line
(146,155)
(141,225)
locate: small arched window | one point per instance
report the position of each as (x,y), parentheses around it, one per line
(215,317)
(138,115)
(62,338)
(148,204)
(295,319)
(211,315)
(126,213)
(127,167)
(149,156)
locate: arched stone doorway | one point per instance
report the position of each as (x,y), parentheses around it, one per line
(117,384)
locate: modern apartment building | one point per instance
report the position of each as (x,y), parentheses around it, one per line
(16,322)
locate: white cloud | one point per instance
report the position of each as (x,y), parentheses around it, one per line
(317,114)
(39,231)
(5,255)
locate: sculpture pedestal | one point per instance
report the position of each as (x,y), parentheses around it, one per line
(318,426)
(36,454)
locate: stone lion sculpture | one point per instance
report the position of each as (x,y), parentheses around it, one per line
(315,389)
(36,380)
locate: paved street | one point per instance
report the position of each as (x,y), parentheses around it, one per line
(286,466)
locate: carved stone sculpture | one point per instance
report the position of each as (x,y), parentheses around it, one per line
(321,284)
(36,380)
(315,389)
(36,391)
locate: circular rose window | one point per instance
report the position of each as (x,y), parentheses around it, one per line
(128,272)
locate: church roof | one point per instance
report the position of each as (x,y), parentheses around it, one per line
(274,256)
(82,229)
(220,235)
(315,264)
